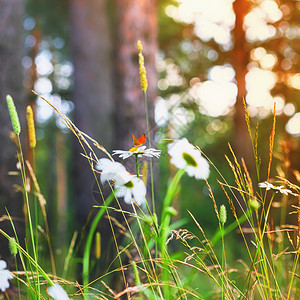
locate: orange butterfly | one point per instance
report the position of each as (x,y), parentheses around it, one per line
(140,141)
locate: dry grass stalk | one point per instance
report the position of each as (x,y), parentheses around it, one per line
(271,144)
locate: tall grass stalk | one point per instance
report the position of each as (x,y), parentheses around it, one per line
(32,145)
(88,244)
(30,259)
(144,86)
(23,262)
(17,129)
(31,231)
(42,202)
(14,251)
(165,230)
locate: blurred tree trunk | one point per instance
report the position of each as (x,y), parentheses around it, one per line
(110,122)
(136,20)
(92,94)
(240,60)
(109,103)
(11,82)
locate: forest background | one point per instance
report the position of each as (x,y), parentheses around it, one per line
(202,58)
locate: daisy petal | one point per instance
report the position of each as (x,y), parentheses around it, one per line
(185,156)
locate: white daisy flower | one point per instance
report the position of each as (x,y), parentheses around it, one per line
(185,156)
(5,275)
(139,151)
(109,169)
(131,188)
(57,292)
(270,186)
(126,185)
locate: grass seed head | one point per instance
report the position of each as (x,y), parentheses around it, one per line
(223,214)
(143,77)
(31,127)
(13,246)
(13,115)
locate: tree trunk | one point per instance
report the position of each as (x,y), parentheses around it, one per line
(240,60)
(136,20)
(92,96)
(11,82)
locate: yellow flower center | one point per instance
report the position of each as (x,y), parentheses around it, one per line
(189,159)
(133,149)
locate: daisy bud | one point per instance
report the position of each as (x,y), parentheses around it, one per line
(31,128)
(13,115)
(223,214)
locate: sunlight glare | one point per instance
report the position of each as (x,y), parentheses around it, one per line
(293,125)
(279,100)
(43,63)
(221,73)
(258,53)
(215,98)
(268,61)
(43,86)
(258,19)
(209,22)
(289,109)
(258,84)
(294,81)
(214,20)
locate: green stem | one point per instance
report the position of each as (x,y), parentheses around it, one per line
(88,245)
(164,231)
(293,275)
(223,260)
(170,193)
(137,166)
(36,220)
(18,281)
(35,264)
(230,227)
(23,174)
(260,243)
(149,143)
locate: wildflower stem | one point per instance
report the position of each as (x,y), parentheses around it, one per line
(20,252)
(293,274)
(88,245)
(36,221)
(18,281)
(223,260)
(260,246)
(137,166)
(23,174)
(170,193)
(23,251)
(165,228)
(149,142)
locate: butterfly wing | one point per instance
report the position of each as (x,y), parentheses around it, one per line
(140,141)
